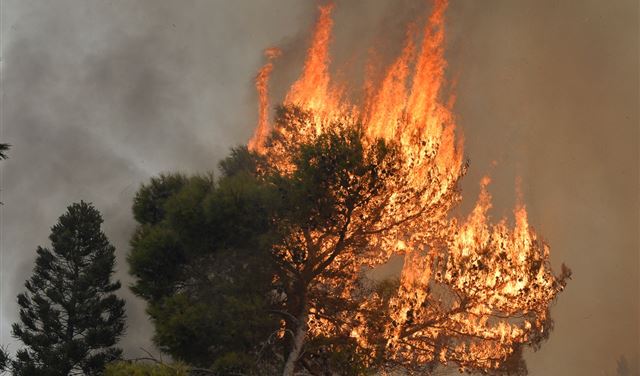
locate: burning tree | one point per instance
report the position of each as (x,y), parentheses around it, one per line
(281,250)
(359,184)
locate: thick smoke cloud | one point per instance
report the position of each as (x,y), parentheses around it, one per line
(100,95)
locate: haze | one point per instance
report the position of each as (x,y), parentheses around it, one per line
(98,96)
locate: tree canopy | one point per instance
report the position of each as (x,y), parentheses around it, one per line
(336,186)
(70,318)
(270,265)
(200,262)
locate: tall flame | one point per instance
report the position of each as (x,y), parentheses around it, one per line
(405,108)
(460,278)
(262,85)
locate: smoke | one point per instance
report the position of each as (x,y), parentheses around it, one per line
(98,96)
(549,90)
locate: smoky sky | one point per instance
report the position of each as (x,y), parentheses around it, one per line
(98,96)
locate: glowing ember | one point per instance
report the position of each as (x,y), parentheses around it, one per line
(470,292)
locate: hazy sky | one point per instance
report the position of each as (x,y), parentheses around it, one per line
(99,95)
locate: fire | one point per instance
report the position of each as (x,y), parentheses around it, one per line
(262,84)
(470,291)
(313,90)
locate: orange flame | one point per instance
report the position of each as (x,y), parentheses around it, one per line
(262,85)
(485,285)
(313,90)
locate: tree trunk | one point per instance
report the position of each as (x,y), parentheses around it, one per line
(298,343)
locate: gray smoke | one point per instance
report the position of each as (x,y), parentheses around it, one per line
(100,95)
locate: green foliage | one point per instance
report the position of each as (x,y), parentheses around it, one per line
(333,193)
(180,325)
(70,318)
(149,201)
(238,212)
(240,161)
(185,215)
(334,175)
(200,262)
(235,363)
(145,369)
(225,314)
(156,261)
(203,258)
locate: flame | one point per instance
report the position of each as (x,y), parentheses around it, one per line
(262,85)
(469,290)
(314,90)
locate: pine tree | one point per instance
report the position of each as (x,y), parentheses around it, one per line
(70,318)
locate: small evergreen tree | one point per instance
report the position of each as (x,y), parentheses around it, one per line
(70,318)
